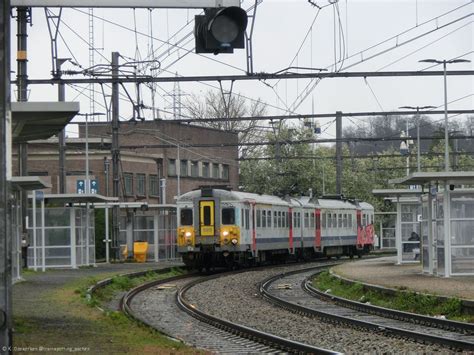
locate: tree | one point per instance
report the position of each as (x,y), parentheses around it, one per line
(219,105)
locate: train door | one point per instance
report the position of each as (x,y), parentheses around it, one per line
(254,232)
(360,229)
(206,218)
(318,229)
(290,229)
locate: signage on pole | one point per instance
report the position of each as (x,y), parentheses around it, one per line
(94,188)
(39,196)
(80,187)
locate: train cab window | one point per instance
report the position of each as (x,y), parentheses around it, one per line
(269,219)
(259,216)
(264,219)
(228,216)
(207,215)
(186,217)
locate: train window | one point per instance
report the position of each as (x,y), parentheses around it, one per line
(306,220)
(363,219)
(275,219)
(295,220)
(186,217)
(323,217)
(339,220)
(207,215)
(269,219)
(298,216)
(259,216)
(228,216)
(329,220)
(279,219)
(264,219)
(344,220)
(311,220)
(242,218)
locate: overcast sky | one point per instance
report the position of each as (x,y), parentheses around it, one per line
(369,36)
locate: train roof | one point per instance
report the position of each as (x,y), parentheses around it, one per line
(231,195)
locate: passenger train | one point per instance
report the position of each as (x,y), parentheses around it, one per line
(218,226)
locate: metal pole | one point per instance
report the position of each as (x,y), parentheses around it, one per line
(408,148)
(178,173)
(88,189)
(5,218)
(446,135)
(107,240)
(115,153)
(43,238)
(338,152)
(22,85)
(35,252)
(62,138)
(418,148)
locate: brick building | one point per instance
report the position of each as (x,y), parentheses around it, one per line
(150,151)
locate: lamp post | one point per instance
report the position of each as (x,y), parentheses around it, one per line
(87,115)
(88,187)
(417,108)
(446,133)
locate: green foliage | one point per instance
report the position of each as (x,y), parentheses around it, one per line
(292,171)
(403,300)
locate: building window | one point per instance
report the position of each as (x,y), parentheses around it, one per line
(194,169)
(153,188)
(171,167)
(183,168)
(215,171)
(128,183)
(141,180)
(205,170)
(225,172)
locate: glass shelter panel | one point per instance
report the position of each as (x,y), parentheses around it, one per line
(410,228)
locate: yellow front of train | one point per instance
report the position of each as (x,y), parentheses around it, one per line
(207,230)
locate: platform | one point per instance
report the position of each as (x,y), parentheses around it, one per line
(384,272)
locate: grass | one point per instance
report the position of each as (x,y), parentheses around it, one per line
(403,300)
(71,322)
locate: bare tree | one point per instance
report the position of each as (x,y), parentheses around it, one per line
(229,105)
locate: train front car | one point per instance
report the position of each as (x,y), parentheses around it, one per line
(209,229)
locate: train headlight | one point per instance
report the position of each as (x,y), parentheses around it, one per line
(225,233)
(234,241)
(187,234)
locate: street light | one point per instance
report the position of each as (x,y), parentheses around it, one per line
(446,133)
(417,108)
(87,115)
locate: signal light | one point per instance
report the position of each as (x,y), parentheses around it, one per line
(220,30)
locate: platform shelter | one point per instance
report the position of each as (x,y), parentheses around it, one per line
(447,221)
(61,232)
(21,183)
(155,224)
(407,222)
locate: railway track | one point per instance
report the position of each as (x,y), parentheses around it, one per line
(158,304)
(293,291)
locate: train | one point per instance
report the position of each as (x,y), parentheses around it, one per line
(218,226)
